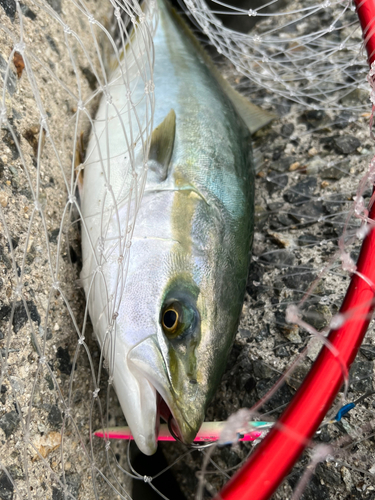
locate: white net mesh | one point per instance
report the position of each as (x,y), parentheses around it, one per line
(304,52)
(55,58)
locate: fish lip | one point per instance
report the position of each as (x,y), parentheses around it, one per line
(164,411)
(170,416)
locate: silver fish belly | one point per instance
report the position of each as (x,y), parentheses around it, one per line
(166,317)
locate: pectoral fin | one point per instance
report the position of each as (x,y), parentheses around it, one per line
(161,148)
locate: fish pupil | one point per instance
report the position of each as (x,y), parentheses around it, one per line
(170,318)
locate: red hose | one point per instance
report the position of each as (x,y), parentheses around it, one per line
(366,15)
(277,453)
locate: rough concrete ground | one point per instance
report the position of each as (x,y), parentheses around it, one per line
(47,408)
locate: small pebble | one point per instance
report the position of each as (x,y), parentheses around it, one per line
(365,152)
(284,240)
(328,473)
(344,119)
(3,199)
(262,370)
(56,5)
(28,12)
(20,316)
(287,129)
(10,8)
(346,144)
(16,472)
(17,384)
(9,423)
(244,333)
(347,478)
(275,182)
(314,347)
(302,191)
(260,216)
(64,360)
(73,483)
(279,258)
(317,317)
(54,416)
(299,278)
(291,332)
(307,239)
(46,444)
(281,351)
(54,234)
(6,487)
(368,351)
(294,166)
(314,118)
(336,171)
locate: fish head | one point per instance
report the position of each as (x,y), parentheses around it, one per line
(177,361)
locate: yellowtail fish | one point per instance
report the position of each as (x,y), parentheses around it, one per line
(166,318)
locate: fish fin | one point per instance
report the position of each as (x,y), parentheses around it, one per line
(161,147)
(253,116)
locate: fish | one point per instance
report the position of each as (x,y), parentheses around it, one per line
(165,277)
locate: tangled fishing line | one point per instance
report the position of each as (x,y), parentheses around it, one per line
(303,60)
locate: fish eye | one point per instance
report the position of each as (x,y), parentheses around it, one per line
(172,319)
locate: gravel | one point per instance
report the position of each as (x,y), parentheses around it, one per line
(9,423)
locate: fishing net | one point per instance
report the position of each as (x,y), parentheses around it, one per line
(302,60)
(304,52)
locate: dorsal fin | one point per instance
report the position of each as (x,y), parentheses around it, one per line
(253,116)
(161,147)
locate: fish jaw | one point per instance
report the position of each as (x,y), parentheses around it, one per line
(145,394)
(139,401)
(183,407)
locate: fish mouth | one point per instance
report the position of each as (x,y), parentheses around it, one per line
(179,411)
(163,411)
